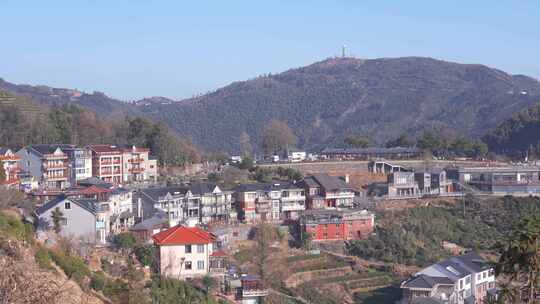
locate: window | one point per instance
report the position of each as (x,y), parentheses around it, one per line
(200,264)
(188,265)
(28,163)
(460,284)
(468,280)
(200,248)
(484,275)
(67,205)
(188,250)
(63,221)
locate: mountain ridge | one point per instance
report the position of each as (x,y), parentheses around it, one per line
(326,101)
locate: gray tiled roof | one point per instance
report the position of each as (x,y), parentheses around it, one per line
(88,204)
(473,262)
(425,281)
(156,193)
(275,186)
(330,182)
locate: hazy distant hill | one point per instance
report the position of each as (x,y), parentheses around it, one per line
(328,100)
(380,98)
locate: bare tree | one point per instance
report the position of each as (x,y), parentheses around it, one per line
(277,136)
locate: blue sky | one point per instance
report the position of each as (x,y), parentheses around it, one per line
(133,49)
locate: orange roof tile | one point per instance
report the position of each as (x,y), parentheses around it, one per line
(180,235)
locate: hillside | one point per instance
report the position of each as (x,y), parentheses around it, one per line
(518,134)
(380,98)
(98,102)
(328,101)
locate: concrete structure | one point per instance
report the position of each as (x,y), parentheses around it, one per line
(48,164)
(334,225)
(325,191)
(518,180)
(370,153)
(384,167)
(187,252)
(269,202)
(402,185)
(462,279)
(9,163)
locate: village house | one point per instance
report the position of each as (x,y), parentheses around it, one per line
(9,163)
(337,225)
(403,185)
(269,202)
(325,191)
(461,279)
(48,164)
(111,211)
(202,203)
(187,252)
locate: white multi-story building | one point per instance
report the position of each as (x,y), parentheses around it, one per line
(199,202)
(270,202)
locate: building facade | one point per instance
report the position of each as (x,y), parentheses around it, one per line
(325,191)
(202,203)
(269,202)
(187,252)
(370,153)
(405,185)
(10,164)
(80,162)
(335,225)
(48,164)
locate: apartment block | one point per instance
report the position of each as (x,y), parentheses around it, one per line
(48,164)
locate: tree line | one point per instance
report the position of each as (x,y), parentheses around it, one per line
(71,124)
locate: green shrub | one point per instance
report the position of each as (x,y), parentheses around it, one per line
(43,258)
(73,266)
(98,281)
(146,254)
(15,228)
(126,240)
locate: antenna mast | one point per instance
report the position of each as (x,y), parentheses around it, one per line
(343,49)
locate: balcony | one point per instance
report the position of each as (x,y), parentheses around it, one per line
(135,160)
(47,166)
(136,170)
(292,207)
(254,293)
(263,207)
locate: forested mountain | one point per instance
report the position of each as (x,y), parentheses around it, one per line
(24,122)
(329,100)
(98,102)
(518,134)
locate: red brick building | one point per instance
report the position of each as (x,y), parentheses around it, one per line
(337,225)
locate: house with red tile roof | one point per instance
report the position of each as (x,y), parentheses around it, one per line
(187,252)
